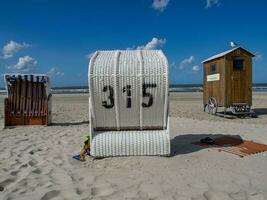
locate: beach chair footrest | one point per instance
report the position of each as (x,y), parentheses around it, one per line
(25,120)
(130,143)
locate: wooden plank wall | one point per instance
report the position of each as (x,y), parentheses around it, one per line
(242,92)
(214,88)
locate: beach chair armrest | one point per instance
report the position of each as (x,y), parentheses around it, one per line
(6,103)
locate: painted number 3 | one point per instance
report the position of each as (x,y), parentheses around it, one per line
(127,89)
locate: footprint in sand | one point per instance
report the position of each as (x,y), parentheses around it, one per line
(22,140)
(51,194)
(101,192)
(6,182)
(79,191)
(58,161)
(239,195)
(81,178)
(33,162)
(216,195)
(257,196)
(23,166)
(37,171)
(31,152)
(149,190)
(14,173)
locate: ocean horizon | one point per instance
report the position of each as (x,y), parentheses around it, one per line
(257,87)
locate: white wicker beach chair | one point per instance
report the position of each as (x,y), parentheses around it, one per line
(128,103)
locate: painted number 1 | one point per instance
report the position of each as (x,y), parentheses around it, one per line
(127,89)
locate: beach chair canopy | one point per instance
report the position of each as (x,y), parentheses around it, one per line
(129,90)
(128,93)
(28,99)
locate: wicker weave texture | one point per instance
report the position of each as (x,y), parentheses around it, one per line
(131,143)
(138,84)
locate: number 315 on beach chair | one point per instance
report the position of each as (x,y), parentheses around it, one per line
(128,103)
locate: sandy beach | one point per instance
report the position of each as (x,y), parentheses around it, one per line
(36,162)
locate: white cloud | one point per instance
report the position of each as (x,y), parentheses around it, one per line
(53,72)
(196,68)
(160,5)
(11,48)
(186,62)
(155,43)
(24,64)
(258,56)
(89,55)
(173,64)
(210,3)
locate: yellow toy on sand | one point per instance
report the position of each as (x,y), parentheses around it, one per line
(84,151)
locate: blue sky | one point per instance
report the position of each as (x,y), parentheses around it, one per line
(56,37)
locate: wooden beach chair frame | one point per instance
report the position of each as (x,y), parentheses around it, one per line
(28,100)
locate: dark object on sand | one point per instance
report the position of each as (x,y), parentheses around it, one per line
(207,140)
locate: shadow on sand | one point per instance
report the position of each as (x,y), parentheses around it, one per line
(70,123)
(181,144)
(260,111)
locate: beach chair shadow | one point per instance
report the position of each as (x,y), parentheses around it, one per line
(70,123)
(260,111)
(182,144)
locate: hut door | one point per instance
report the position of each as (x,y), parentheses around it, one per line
(238,80)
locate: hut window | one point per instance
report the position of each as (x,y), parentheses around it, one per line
(213,68)
(238,64)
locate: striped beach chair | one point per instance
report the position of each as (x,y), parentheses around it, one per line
(28,100)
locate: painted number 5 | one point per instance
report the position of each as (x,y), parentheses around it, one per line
(147,94)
